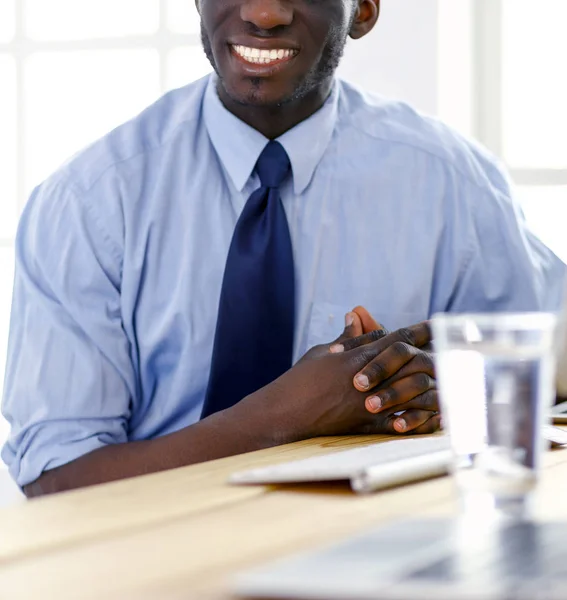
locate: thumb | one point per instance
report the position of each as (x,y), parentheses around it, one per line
(353,328)
(366,319)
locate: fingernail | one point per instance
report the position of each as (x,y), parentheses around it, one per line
(375,403)
(349,319)
(400,425)
(337,348)
(362,381)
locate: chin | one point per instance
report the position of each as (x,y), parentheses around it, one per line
(256,92)
(262,92)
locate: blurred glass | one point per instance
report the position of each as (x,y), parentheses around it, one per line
(84,19)
(545,209)
(496,375)
(7,20)
(185,65)
(534,83)
(8,148)
(182,17)
(73,98)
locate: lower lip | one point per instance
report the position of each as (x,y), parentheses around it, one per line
(262,69)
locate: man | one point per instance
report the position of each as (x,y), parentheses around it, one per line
(169,277)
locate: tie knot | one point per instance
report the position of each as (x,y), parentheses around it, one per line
(273,165)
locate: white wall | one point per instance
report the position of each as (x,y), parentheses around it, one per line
(421,51)
(399,58)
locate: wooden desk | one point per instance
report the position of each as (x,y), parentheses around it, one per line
(183,533)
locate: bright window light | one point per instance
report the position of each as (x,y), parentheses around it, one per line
(86,19)
(182,16)
(7,20)
(534,112)
(8,149)
(73,98)
(545,208)
(185,65)
(7,277)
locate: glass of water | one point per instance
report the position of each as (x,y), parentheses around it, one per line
(495,374)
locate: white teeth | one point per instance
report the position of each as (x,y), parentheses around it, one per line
(257,56)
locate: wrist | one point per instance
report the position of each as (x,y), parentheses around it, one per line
(263,416)
(246,420)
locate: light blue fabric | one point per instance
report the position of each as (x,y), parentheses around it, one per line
(120,257)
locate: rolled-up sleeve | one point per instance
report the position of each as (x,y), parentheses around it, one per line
(69,378)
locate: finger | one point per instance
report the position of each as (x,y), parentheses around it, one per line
(418,335)
(414,336)
(352,343)
(423,363)
(368,322)
(412,420)
(384,366)
(418,389)
(430,426)
(353,328)
(427,401)
(356,329)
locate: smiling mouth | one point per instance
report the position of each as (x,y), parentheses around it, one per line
(257,56)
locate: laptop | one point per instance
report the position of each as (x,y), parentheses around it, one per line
(441,559)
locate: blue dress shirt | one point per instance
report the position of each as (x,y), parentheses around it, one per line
(120,257)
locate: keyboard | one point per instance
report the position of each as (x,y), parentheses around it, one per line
(353,464)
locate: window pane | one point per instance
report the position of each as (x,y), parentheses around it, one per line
(74,98)
(455,64)
(185,65)
(546,212)
(182,16)
(82,19)
(7,20)
(8,174)
(534,83)
(6,284)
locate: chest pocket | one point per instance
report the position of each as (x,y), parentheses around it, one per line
(327,321)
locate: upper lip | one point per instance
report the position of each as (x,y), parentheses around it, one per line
(263,43)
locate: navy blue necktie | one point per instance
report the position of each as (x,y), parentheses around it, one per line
(254,335)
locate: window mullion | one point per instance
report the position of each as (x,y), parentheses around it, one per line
(20,57)
(539,177)
(161,39)
(488,73)
(162,47)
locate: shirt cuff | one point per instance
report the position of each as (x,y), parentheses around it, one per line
(47,448)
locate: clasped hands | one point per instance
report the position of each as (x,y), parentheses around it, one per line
(402,375)
(360,383)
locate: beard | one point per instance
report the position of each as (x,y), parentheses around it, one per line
(321,72)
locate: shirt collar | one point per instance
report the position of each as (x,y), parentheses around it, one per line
(239,146)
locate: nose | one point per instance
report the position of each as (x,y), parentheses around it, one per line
(267,14)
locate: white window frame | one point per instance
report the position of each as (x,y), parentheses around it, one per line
(21,47)
(487,77)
